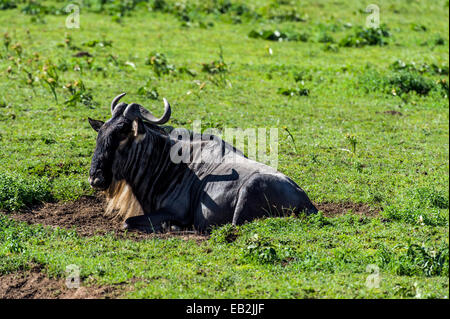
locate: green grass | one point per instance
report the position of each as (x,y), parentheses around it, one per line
(336,141)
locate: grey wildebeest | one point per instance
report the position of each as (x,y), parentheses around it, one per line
(132,164)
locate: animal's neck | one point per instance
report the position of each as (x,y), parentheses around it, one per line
(149,170)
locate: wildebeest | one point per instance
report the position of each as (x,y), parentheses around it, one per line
(132,164)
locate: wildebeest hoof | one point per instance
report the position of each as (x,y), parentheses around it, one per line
(139,223)
(168,226)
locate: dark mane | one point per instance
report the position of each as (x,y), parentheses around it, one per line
(164,129)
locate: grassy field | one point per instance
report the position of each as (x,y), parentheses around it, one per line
(363,117)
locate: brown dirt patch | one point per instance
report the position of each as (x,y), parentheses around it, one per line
(34,284)
(392,112)
(87,216)
(337,209)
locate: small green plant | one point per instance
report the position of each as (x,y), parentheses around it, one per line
(98,43)
(160,65)
(260,250)
(325,38)
(149,93)
(300,90)
(433,262)
(439,40)
(217,70)
(13,243)
(50,78)
(351,139)
(217,66)
(331,47)
(292,138)
(7,4)
(224,283)
(186,70)
(225,234)
(445,88)
(29,79)
(78,94)
(418,27)
(301,75)
(404,82)
(6,40)
(366,36)
(318,220)
(68,42)
(17,47)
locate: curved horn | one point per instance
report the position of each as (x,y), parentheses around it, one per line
(135,110)
(115,101)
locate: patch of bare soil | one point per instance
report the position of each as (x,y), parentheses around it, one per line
(87,215)
(392,112)
(34,284)
(337,209)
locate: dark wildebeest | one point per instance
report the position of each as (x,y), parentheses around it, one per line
(132,162)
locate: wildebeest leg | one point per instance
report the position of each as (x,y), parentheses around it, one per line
(267,195)
(146,223)
(244,211)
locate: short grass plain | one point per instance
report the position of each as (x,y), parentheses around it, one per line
(363,117)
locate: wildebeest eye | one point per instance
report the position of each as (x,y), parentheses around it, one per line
(123,128)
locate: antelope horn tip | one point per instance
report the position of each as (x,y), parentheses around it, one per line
(116,100)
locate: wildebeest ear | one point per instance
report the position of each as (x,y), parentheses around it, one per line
(95,124)
(138,129)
